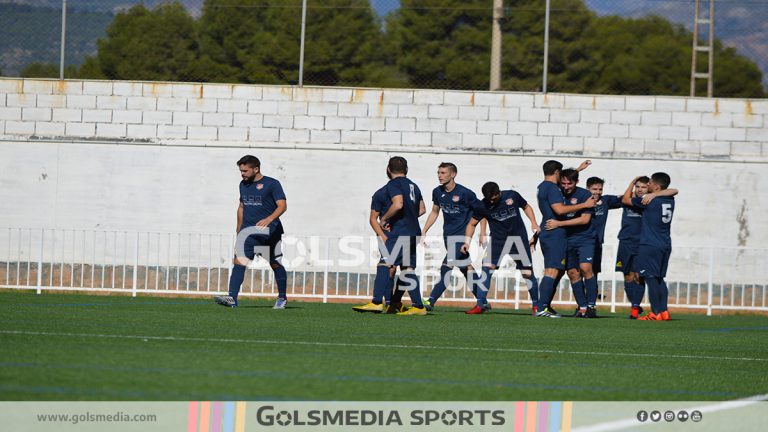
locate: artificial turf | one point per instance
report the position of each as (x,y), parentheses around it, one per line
(77,347)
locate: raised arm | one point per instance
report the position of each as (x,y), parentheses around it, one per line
(626,199)
(647,198)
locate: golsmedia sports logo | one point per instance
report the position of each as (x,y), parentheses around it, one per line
(267,415)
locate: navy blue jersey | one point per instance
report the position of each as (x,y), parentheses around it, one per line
(579,232)
(259,200)
(657,221)
(547,194)
(604,204)
(504,217)
(631,224)
(406,221)
(457,208)
(380,201)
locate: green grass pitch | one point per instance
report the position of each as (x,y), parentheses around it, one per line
(78,347)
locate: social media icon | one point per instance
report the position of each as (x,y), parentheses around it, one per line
(642,416)
(669,416)
(696,416)
(682,416)
(655,416)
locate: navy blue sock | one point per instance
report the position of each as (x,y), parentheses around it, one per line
(653,293)
(411,283)
(546,287)
(483,285)
(629,292)
(579,294)
(639,292)
(237,278)
(281,279)
(590,285)
(663,295)
(533,290)
(380,283)
(554,288)
(389,291)
(440,286)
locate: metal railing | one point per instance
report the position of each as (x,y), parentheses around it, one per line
(333,268)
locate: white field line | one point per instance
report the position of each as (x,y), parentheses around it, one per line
(369,345)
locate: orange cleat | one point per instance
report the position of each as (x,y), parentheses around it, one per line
(475,311)
(635,313)
(650,317)
(664,316)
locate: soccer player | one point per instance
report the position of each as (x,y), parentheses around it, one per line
(553,241)
(399,245)
(629,239)
(655,241)
(509,236)
(259,230)
(456,203)
(580,241)
(603,204)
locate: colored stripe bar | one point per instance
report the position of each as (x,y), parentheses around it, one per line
(229,417)
(567,416)
(555,416)
(519,416)
(216,421)
(205,416)
(192,417)
(530,417)
(240,417)
(543,417)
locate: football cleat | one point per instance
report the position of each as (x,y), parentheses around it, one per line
(580,313)
(394,308)
(649,317)
(369,307)
(535,310)
(591,312)
(487,307)
(414,311)
(226,301)
(280,303)
(634,313)
(664,316)
(427,304)
(548,313)
(475,310)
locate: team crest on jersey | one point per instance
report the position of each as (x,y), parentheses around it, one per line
(455,198)
(260,186)
(574,201)
(509,201)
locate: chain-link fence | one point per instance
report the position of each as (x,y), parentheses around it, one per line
(591,46)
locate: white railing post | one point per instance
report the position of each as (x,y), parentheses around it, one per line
(40,263)
(613,283)
(135,265)
(711,277)
(518,276)
(325,270)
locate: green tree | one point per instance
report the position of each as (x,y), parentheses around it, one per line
(257,41)
(143,44)
(48,70)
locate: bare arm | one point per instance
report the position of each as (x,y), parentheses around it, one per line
(581,220)
(239,217)
(431,219)
(626,199)
(562,209)
(483,231)
(647,198)
(468,233)
(422,208)
(396,206)
(584,165)
(528,210)
(282,206)
(374,221)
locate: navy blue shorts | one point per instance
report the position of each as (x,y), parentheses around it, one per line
(626,258)
(553,245)
(580,252)
(516,249)
(399,251)
(267,247)
(652,261)
(453,254)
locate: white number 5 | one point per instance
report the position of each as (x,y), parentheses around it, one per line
(666,213)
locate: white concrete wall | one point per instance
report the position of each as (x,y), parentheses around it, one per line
(161,157)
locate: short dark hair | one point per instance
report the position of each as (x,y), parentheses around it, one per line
(398,165)
(662,179)
(642,179)
(571,174)
(551,167)
(251,161)
(448,165)
(594,180)
(490,189)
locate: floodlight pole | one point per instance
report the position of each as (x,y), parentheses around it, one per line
(546,49)
(301,49)
(63,36)
(498,13)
